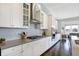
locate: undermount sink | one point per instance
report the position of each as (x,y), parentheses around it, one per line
(77,42)
(34,37)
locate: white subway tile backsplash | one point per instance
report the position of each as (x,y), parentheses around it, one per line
(13,33)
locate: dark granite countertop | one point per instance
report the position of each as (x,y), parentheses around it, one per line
(12,43)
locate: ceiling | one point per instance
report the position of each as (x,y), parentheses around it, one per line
(63,10)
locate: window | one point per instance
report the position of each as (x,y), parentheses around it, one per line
(74,28)
(67,28)
(71,28)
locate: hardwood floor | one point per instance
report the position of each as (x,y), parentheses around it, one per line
(62,48)
(0,51)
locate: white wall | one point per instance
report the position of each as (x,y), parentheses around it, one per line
(69,21)
(47,11)
(63,10)
(54,23)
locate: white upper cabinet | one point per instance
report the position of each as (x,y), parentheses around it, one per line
(5,15)
(18,15)
(14,15)
(10,15)
(43,19)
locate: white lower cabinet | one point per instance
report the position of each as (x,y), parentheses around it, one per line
(13,51)
(41,46)
(27,49)
(44,44)
(56,39)
(35,48)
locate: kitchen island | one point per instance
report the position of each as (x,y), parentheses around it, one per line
(27,47)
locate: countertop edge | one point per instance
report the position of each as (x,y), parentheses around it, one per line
(19,42)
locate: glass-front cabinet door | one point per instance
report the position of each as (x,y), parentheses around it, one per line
(36,11)
(26,14)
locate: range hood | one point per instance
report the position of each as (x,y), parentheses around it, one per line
(33,21)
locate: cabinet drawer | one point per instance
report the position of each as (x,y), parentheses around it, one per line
(12,50)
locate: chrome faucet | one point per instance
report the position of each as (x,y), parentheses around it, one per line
(23,35)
